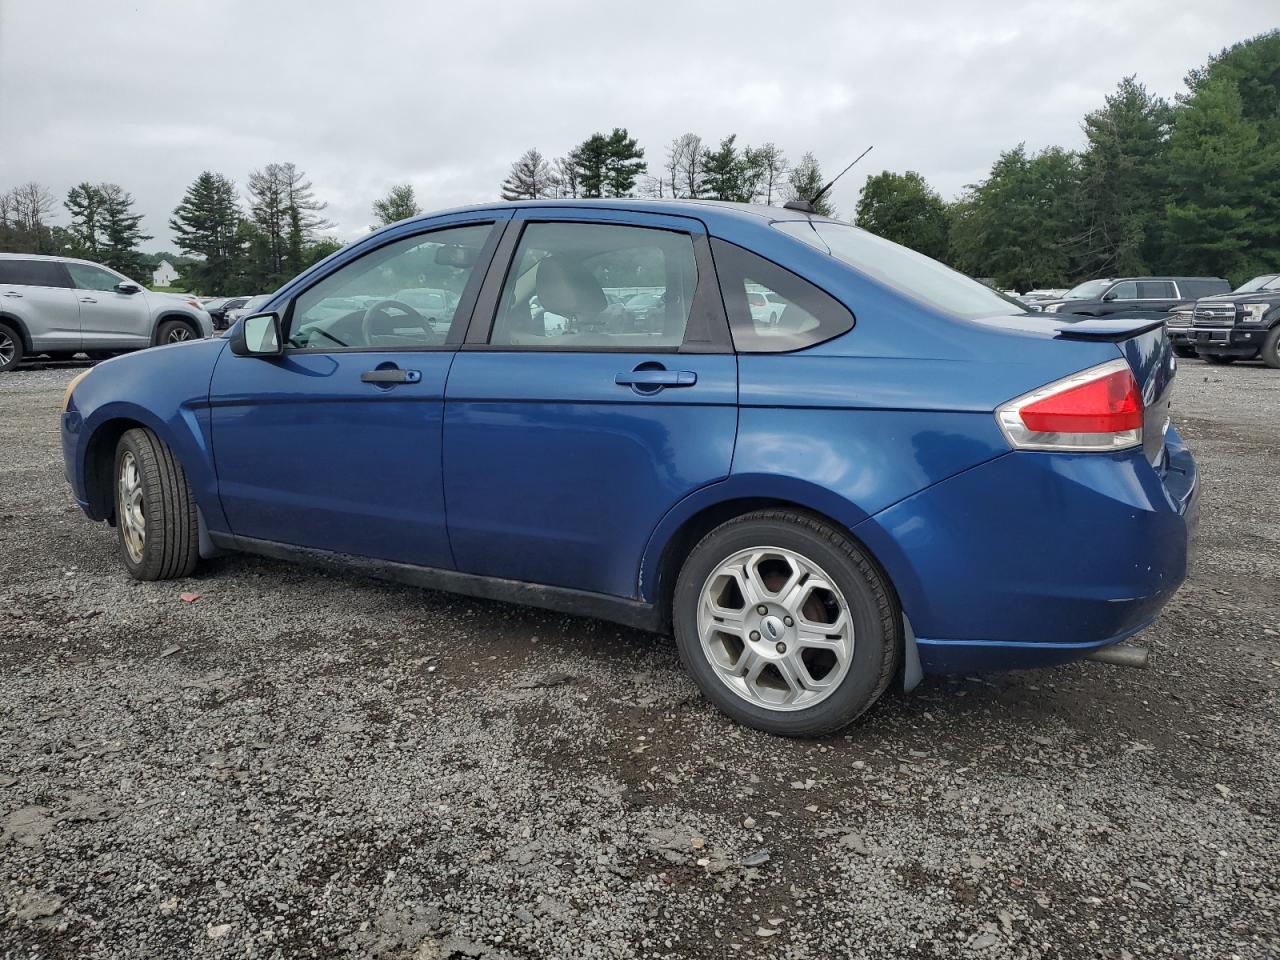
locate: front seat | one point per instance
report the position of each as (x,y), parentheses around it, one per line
(567,288)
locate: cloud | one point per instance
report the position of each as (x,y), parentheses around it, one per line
(445,96)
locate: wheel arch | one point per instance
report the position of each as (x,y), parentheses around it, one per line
(700,512)
(12,320)
(98,464)
(173,315)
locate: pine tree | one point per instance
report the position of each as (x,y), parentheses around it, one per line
(724,172)
(530,178)
(121,230)
(285,214)
(592,158)
(624,163)
(84,203)
(399,204)
(1123,181)
(207,223)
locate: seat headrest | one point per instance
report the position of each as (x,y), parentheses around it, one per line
(567,288)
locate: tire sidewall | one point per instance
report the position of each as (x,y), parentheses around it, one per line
(874,638)
(18,350)
(162,332)
(1270,352)
(152,507)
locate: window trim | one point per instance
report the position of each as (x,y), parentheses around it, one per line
(461,315)
(706,307)
(853,317)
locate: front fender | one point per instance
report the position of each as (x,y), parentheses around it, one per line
(165,389)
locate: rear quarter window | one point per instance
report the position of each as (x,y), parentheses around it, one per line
(798,314)
(34,273)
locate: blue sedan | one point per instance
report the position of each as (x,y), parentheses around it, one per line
(903,473)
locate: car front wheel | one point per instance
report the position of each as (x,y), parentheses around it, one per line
(1271,349)
(1186,353)
(156,520)
(786,624)
(174,331)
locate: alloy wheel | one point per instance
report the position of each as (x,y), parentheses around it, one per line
(775,628)
(129,503)
(7,348)
(179,334)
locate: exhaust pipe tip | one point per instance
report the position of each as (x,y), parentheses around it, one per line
(1121,655)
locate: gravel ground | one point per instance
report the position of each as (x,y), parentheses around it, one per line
(302,764)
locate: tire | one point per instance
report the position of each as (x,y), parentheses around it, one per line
(175,331)
(782,546)
(11,351)
(1270,352)
(1186,353)
(169,545)
(1217,359)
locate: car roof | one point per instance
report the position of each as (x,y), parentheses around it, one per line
(709,211)
(55,259)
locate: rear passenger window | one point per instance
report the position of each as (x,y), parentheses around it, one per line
(34,273)
(597,286)
(771,310)
(1156,290)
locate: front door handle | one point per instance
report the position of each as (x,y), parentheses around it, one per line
(391,375)
(13,293)
(656,378)
(88,300)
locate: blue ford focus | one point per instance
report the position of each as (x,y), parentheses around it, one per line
(824,462)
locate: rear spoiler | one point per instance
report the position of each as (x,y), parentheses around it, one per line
(1108,328)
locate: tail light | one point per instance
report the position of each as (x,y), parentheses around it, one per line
(1095,409)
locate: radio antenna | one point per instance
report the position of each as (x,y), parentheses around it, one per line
(808,206)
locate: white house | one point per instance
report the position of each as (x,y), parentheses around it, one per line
(164,275)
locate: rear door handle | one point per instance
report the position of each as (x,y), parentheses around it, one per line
(14,293)
(88,300)
(391,376)
(656,378)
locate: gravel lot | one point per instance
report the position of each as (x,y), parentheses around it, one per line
(304,764)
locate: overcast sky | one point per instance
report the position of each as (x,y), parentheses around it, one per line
(362,95)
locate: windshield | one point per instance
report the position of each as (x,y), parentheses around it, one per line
(912,273)
(1089,290)
(1270,281)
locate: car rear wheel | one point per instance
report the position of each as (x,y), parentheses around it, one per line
(1186,353)
(1217,359)
(10,348)
(786,624)
(174,331)
(1271,349)
(155,512)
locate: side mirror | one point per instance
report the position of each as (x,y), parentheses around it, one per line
(258,336)
(127,286)
(1108,297)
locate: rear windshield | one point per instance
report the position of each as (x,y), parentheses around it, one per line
(909,272)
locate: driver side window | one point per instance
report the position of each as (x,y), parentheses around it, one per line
(402,296)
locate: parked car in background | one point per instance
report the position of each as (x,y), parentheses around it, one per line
(1134,296)
(908,473)
(250,304)
(1036,298)
(765,306)
(429,303)
(59,306)
(1241,325)
(218,308)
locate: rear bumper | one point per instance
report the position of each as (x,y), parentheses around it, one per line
(1034,559)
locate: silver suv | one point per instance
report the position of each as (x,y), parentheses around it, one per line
(59,306)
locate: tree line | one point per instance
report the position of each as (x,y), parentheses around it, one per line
(1184,188)
(613,165)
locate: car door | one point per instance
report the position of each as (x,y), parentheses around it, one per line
(565,443)
(335,445)
(38,292)
(109,318)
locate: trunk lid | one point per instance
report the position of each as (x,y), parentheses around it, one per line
(1145,345)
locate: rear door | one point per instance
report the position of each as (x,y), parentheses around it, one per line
(109,318)
(336,444)
(570,426)
(39,292)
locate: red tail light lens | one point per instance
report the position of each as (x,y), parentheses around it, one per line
(1097,409)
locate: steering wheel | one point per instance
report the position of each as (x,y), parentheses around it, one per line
(380,309)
